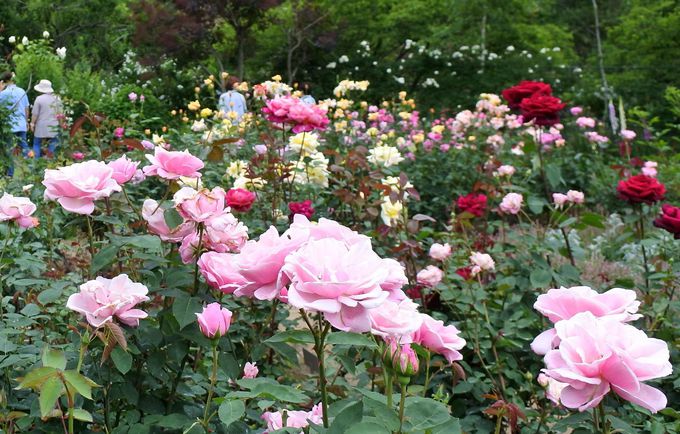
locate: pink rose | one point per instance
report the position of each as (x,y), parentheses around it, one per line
(440,252)
(576,197)
(560,304)
(173,164)
(199,206)
(102,299)
(155,219)
(584,122)
(341,281)
(18,209)
(119,132)
(628,135)
(398,320)
(511,203)
(77,186)
(481,262)
(132,96)
(560,199)
(220,271)
(240,200)
(225,233)
(575,111)
(214,321)
(124,169)
(250,370)
(597,355)
(294,419)
(506,170)
(438,338)
(430,276)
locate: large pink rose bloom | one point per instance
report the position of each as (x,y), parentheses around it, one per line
(102,299)
(124,169)
(155,219)
(307,117)
(294,419)
(199,206)
(173,164)
(437,337)
(225,233)
(398,320)
(276,109)
(77,186)
(559,304)
(18,209)
(596,355)
(220,271)
(339,280)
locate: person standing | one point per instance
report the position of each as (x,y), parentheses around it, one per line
(14,98)
(44,122)
(232,103)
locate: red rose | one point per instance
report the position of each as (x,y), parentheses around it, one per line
(472,203)
(515,94)
(543,109)
(641,188)
(669,220)
(465,273)
(240,200)
(304,208)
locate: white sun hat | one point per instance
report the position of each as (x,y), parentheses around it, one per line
(45,86)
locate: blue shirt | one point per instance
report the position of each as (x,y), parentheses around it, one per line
(232,101)
(308,99)
(15,99)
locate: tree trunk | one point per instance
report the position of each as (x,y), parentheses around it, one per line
(241,47)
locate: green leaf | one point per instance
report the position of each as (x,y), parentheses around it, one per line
(535,204)
(355,339)
(269,389)
(50,391)
(37,377)
(122,360)
(592,219)
(185,308)
(540,278)
(30,310)
(367,427)
(230,411)
(172,218)
(554,175)
(104,257)
(79,382)
(53,358)
(292,337)
(451,426)
(346,418)
(424,413)
(80,414)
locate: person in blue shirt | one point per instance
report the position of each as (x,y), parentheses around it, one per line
(14,98)
(232,103)
(307,98)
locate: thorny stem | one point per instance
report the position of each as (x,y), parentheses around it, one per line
(402,401)
(127,198)
(319,343)
(566,241)
(198,255)
(211,390)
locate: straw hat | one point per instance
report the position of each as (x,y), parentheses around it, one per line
(45,86)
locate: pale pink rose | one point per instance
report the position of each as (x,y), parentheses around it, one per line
(575,111)
(260,263)
(294,419)
(302,228)
(155,219)
(576,197)
(77,186)
(18,209)
(511,203)
(649,168)
(404,360)
(430,276)
(397,320)
(102,299)
(482,260)
(560,199)
(441,339)
(148,145)
(505,170)
(553,388)
(138,178)
(260,149)
(124,169)
(214,321)
(220,271)
(189,249)
(562,303)
(173,164)
(440,252)
(341,281)
(628,135)
(225,233)
(585,122)
(598,355)
(250,370)
(199,206)
(132,96)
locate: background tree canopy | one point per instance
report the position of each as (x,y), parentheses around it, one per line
(444,51)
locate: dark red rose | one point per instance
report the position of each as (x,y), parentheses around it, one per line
(542,109)
(465,273)
(239,199)
(641,189)
(669,220)
(304,208)
(472,203)
(515,94)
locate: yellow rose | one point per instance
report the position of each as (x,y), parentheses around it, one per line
(194,105)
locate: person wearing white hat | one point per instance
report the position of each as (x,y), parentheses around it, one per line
(44,122)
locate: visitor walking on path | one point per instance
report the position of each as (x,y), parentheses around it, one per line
(14,98)
(44,123)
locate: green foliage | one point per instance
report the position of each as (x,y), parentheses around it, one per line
(37,61)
